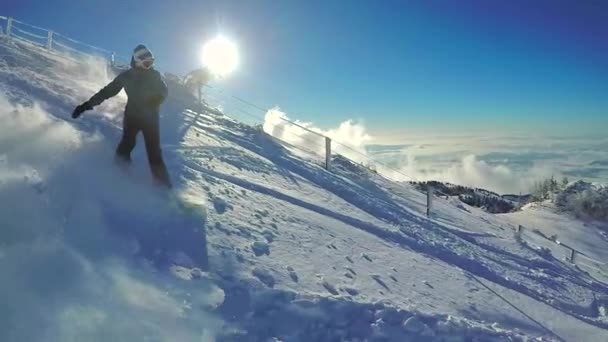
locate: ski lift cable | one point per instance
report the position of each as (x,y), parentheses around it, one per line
(83,44)
(263,110)
(28,33)
(29,25)
(223,93)
(285,128)
(309,141)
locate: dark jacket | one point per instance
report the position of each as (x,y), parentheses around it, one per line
(145,90)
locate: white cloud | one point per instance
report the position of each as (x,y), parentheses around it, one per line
(502,163)
(471,171)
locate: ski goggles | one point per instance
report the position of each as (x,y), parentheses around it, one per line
(147,64)
(144,64)
(144,59)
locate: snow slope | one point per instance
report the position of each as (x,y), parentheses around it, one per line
(290,251)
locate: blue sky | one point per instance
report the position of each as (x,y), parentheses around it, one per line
(401,66)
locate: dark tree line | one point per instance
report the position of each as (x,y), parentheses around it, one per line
(475,197)
(494,205)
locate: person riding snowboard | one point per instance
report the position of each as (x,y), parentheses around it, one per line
(145,91)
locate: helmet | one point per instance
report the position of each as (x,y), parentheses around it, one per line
(142,57)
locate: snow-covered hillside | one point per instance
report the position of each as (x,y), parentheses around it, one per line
(290,252)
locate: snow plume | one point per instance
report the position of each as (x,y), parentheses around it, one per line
(349,137)
(38,72)
(65,275)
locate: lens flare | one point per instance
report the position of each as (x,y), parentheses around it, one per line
(221,56)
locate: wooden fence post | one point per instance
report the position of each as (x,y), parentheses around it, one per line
(518,231)
(573,256)
(49,41)
(9,26)
(429,200)
(327,153)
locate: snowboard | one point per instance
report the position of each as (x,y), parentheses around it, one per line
(172,231)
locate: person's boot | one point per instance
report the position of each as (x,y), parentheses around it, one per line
(161,176)
(122,161)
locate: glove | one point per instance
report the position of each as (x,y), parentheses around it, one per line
(81,109)
(155,101)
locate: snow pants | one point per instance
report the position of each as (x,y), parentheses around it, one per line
(149,126)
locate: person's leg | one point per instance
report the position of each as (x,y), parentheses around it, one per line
(127,143)
(157,165)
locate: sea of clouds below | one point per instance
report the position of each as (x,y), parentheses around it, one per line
(505,163)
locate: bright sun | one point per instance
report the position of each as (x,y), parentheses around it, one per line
(221,56)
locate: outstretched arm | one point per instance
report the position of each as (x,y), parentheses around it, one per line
(106,92)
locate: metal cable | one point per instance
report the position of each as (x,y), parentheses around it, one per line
(29,33)
(26,24)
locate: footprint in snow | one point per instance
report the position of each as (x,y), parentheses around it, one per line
(351,291)
(350,270)
(260,248)
(268,235)
(243,232)
(366,257)
(292,274)
(380,281)
(264,276)
(220,205)
(330,287)
(262,213)
(350,260)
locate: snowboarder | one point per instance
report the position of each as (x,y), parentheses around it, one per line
(145,91)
